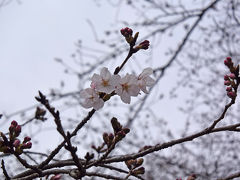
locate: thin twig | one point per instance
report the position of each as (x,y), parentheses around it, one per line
(56,114)
(159,147)
(233,176)
(5,171)
(104,156)
(119,170)
(26,165)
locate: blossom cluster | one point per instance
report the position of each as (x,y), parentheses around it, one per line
(231,79)
(13,143)
(128,34)
(119,133)
(106,83)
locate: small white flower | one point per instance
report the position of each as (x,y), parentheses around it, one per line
(105,82)
(144,79)
(89,98)
(127,87)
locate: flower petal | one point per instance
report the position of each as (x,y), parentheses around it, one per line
(105,74)
(125,97)
(146,72)
(96,78)
(115,80)
(133,90)
(98,105)
(149,81)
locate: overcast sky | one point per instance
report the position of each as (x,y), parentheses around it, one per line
(32,34)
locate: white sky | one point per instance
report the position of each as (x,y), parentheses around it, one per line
(32,34)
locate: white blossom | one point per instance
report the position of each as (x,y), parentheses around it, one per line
(105,82)
(127,87)
(144,79)
(89,98)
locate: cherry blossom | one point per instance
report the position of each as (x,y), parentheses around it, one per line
(105,82)
(144,79)
(127,87)
(89,98)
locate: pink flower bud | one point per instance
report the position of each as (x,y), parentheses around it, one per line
(106,138)
(232,76)
(140,170)
(18,129)
(229,89)
(16,143)
(11,128)
(14,123)
(227,83)
(27,145)
(226,77)
(231,94)
(144,44)
(56,177)
(126,32)
(194,175)
(111,136)
(26,139)
(228,61)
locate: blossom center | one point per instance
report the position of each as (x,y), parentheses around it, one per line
(125,86)
(91,98)
(104,82)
